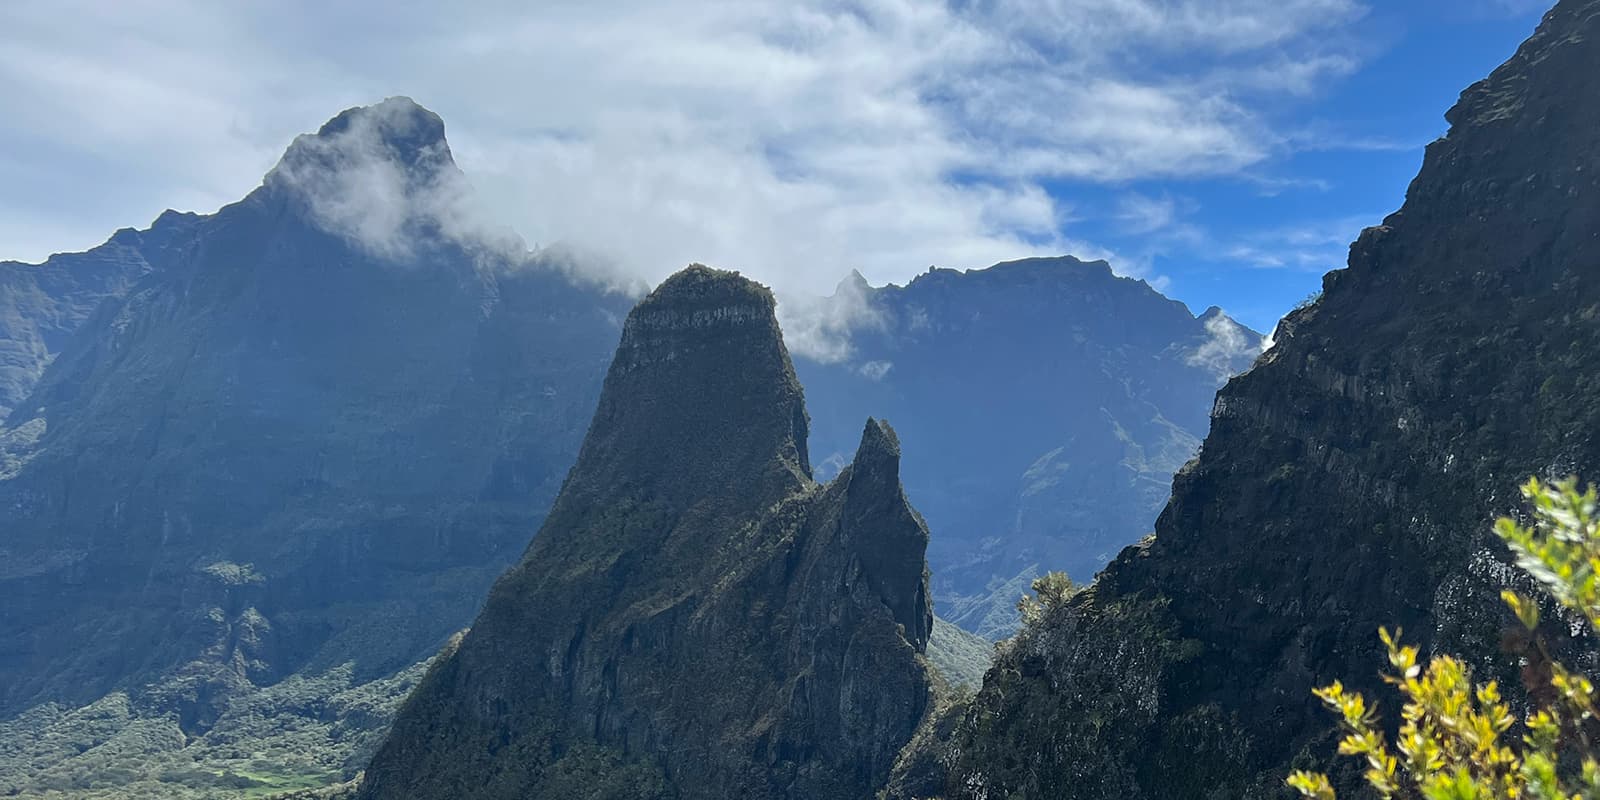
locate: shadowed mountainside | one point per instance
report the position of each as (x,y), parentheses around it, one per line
(259,486)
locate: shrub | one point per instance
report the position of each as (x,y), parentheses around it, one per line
(1049,591)
(1454,741)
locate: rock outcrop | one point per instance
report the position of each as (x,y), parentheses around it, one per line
(1348,480)
(1046,403)
(697,618)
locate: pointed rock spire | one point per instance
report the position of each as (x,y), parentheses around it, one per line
(886,534)
(697,618)
(701,397)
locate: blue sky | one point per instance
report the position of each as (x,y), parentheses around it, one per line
(1423,55)
(1225,150)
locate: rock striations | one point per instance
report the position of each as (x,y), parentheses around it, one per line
(1348,480)
(697,618)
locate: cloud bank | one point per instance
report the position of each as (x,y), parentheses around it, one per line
(792,140)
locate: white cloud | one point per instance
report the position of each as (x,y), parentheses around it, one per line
(820,328)
(384,178)
(790,139)
(1312,247)
(875,370)
(1141,214)
(1226,347)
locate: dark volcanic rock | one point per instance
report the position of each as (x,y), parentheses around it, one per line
(697,618)
(1046,403)
(1348,480)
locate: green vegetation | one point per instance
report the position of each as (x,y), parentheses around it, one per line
(958,656)
(1050,591)
(300,738)
(1458,740)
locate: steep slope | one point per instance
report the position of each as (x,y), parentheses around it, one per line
(295,456)
(41,305)
(958,655)
(1046,403)
(1348,480)
(697,618)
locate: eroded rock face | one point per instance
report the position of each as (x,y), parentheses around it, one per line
(697,618)
(1348,480)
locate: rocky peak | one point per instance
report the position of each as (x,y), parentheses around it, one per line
(396,129)
(891,546)
(698,353)
(878,458)
(440,395)
(382,178)
(853,284)
(697,619)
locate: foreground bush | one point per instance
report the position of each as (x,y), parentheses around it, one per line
(1456,739)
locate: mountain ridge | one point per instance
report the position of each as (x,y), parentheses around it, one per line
(1035,393)
(233,475)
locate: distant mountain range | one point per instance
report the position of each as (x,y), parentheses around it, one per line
(1045,405)
(257,466)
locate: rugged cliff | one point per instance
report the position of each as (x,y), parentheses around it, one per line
(697,618)
(1046,405)
(1348,480)
(42,305)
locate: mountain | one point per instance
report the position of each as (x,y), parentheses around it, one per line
(262,463)
(276,467)
(1348,481)
(41,305)
(257,466)
(697,618)
(1046,404)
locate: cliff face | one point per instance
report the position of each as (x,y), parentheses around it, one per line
(42,305)
(697,618)
(1046,404)
(303,429)
(1348,480)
